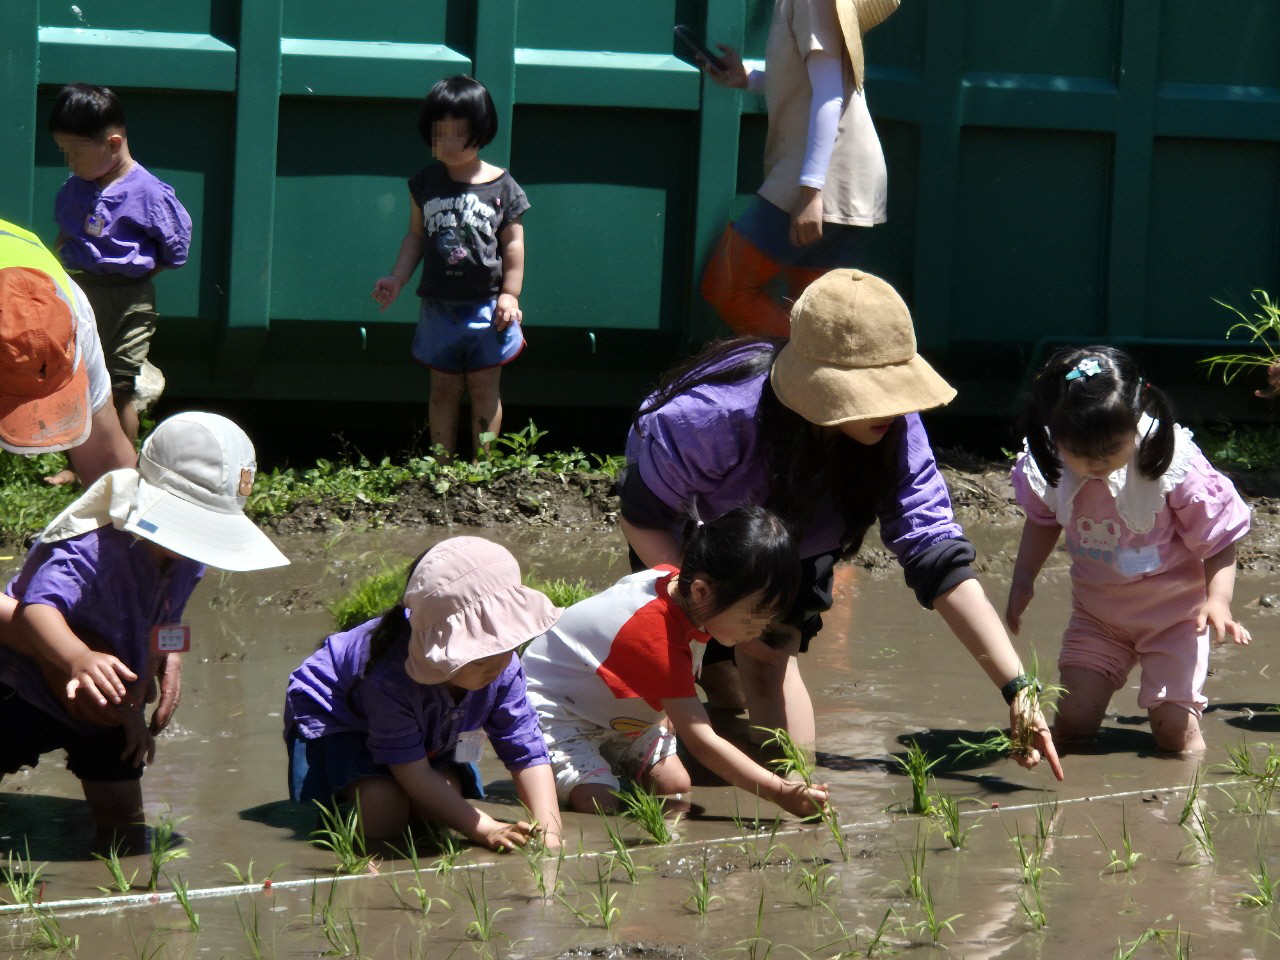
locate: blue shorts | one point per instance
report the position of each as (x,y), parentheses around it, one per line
(769,230)
(320,769)
(30,732)
(461,337)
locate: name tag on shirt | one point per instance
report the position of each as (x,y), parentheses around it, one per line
(470,746)
(170,638)
(1132,561)
(94,225)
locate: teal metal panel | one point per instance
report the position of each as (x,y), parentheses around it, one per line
(1062,168)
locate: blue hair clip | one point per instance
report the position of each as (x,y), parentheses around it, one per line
(1088,367)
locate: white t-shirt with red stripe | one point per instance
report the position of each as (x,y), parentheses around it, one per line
(612,659)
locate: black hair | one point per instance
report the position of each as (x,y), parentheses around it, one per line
(1089,413)
(85,110)
(466,99)
(392,628)
(807,465)
(745,551)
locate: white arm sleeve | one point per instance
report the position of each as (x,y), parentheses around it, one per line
(826,79)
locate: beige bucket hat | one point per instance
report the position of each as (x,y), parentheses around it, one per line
(856,18)
(852,354)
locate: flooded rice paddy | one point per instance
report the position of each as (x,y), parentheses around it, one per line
(1114,862)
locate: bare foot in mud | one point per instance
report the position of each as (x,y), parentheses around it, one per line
(62,477)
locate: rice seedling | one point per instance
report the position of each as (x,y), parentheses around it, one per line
(1031,852)
(648,810)
(916,765)
(245,877)
(757,858)
(878,944)
(1035,698)
(145,950)
(340,832)
(343,939)
(1239,761)
(948,808)
(561,592)
(422,900)
(545,869)
(1263,328)
(120,882)
(1198,828)
(164,834)
(482,927)
(914,862)
(757,946)
(252,930)
(931,922)
(1117,863)
(373,595)
(1266,887)
(798,760)
(702,898)
(1193,796)
(1034,914)
(815,882)
(22,877)
(603,899)
(1150,935)
(48,936)
(180,892)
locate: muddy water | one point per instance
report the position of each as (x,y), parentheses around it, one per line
(883,673)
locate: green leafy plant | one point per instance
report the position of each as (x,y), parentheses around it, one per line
(340,832)
(370,597)
(914,862)
(48,936)
(245,877)
(482,927)
(621,856)
(343,939)
(702,898)
(1263,329)
(1117,863)
(422,900)
(1265,884)
(947,807)
(164,835)
(916,765)
(931,922)
(815,881)
(648,810)
(22,877)
(181,892)
(120,882)
(561,592)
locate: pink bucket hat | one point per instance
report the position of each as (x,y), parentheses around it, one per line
(465,603)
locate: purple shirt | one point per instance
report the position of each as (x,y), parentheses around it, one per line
(129,227)
(705,446)
(111,591)
(405,720)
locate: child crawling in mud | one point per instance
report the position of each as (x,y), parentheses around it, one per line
(99,607)
(613,681)
(1151,528)
(393,713)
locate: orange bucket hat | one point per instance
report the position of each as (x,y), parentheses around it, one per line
(44,389)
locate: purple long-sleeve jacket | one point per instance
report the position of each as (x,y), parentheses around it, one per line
(404,720)
(704,446)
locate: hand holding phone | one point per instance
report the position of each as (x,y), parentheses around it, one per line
(693,43)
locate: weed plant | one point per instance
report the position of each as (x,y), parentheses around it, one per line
(164,834)
(798,760)
(340,832)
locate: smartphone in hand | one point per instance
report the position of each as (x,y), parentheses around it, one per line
(691,41)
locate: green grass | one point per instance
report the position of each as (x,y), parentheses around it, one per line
(1263,329)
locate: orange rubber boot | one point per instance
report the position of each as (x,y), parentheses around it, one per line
(734,283)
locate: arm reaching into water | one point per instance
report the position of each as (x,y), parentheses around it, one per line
(434,798)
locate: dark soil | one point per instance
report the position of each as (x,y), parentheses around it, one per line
(980,491)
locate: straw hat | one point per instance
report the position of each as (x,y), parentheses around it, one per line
(852,354)
(856,18)
(465,603)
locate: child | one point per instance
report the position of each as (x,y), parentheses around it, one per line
(100,601)
(464,225)
(1151,528)
(613,682)
(389,714)
(118,226)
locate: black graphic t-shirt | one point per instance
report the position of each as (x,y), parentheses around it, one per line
(461,223)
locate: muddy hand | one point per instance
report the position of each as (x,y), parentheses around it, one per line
(507,836)
(1041,738)
(802,800)
(169,680)
(1272,388)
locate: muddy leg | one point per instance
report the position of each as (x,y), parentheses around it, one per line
(585,797)
(116,804)
(777,697)
(442,410)
(1176,728)
(486,405)
(1082,707)
(384,807)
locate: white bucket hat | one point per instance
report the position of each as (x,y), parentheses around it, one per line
(187,495)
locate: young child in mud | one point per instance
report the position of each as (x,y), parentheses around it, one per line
(613,681)
(390,715)
(464,225)
(1151,528)
(100,600)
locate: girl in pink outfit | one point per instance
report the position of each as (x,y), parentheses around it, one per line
(1151,528)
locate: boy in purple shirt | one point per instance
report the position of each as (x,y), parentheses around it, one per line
(117,227)
(100,601)
(390,714)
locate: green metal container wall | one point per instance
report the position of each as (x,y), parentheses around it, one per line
(1061,168)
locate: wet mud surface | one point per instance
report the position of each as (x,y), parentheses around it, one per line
(1046,869)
